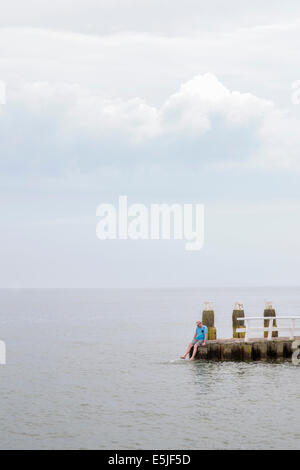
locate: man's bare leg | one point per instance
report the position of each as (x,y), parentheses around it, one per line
(194,352)
(187,351)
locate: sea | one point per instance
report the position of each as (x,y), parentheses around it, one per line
(100,369)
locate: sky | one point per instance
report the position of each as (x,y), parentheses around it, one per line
(162,101)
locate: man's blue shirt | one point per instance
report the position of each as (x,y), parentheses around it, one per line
(201,332)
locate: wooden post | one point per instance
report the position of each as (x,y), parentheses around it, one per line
(226,351)
(238,311)
(214,351)
(208,319)
(247,351)
(260,350)
(270,312)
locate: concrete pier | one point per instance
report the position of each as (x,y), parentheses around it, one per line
(237,349)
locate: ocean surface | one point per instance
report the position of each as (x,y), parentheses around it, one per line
(99,369)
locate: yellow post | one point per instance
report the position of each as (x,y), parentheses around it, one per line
(270,312)
(238,312)
(208,319)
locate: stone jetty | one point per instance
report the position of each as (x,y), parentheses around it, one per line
(237,349)
(241,347)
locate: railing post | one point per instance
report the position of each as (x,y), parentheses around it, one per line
(292,328)
(238,311)
(270,312)
(208,319)
(270,326)
(247,329)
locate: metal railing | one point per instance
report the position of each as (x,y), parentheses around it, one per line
(247,329)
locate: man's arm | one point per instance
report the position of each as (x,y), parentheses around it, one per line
(205,338)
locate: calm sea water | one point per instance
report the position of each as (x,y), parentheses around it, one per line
(98,369)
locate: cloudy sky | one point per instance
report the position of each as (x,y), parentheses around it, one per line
(162,101)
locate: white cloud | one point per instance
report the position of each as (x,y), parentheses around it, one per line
(89,100)
(204,97)
(201,106)
(191,109)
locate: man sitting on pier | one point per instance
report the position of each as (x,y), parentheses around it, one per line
(200,337)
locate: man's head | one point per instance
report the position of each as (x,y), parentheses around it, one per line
(199,323)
